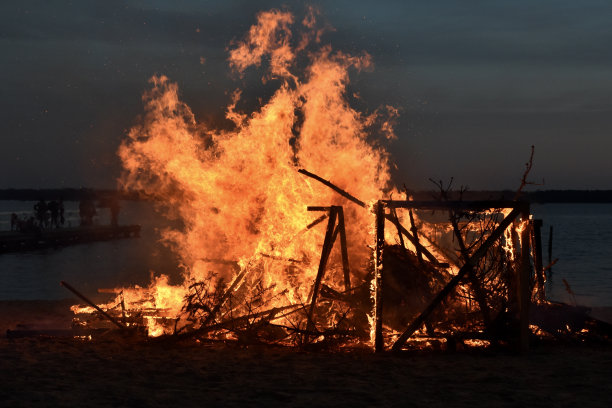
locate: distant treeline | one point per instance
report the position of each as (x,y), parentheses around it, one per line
(66,194)
(547,196)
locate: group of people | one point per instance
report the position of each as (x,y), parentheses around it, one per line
(46,215)
(49,215)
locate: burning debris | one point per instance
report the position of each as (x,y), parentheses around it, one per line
(276,254)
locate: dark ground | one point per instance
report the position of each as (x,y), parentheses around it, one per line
(119,373)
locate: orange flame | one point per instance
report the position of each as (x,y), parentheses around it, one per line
(238,192)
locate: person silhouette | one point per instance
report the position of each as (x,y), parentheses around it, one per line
(40,209)
(14,222)
(114,211)
(53,207)
(61,211)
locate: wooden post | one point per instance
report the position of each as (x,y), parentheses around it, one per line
(536,241)
(327,245)
(344,249)
(524,275)
(379,344)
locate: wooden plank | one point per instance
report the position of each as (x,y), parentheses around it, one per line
(344,250)
(379,344)
(469,264)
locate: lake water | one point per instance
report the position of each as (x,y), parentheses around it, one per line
(87,267)
(582,240)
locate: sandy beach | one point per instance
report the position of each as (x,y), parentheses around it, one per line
(118,373)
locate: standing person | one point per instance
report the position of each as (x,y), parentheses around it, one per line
(61,211)
(84,211)
(114,210)
(14,222)
(54,210)
(40,209)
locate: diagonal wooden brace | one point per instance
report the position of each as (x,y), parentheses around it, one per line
(469,264)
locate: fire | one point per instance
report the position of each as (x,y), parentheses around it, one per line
(238,194)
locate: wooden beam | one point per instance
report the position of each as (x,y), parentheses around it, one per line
(379,344)
(333,187)
(344,249)
(327,245)
(469,264)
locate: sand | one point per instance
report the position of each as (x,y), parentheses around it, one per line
(116,373)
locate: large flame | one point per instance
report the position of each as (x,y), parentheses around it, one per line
(238,193)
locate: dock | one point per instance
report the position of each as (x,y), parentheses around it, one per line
(11,241)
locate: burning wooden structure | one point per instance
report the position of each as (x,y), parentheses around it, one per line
(418,291)
(258,267)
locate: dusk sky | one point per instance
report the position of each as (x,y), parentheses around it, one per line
(477,83)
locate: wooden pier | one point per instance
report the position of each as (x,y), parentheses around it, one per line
(11,241)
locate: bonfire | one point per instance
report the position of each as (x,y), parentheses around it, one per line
(282,236)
